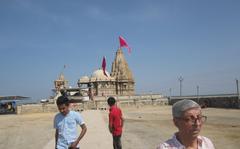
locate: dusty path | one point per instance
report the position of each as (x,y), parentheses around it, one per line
(26,131)
(97,136)
(36,131)
(144,128)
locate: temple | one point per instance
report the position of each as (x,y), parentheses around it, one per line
(119,82)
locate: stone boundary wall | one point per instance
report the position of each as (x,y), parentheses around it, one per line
(98,103)
(136,102)
(36,108)
(231,102)
(101,104)
(140,97)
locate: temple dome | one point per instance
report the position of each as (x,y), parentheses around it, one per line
(84,78)
(99,75)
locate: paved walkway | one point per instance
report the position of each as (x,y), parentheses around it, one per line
(97,136)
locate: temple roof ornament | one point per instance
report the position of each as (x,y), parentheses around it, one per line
(120,69)
(61,77)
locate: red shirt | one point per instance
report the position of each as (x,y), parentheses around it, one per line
(115,120)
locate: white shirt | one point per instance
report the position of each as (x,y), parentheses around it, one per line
(67,128)
(173,143)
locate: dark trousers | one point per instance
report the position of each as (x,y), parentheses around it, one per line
(117,142)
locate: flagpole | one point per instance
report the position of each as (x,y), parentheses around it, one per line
(64,66)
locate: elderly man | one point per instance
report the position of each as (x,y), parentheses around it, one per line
(188,118)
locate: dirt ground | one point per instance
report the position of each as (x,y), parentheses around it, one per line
(26,131)
(144,128)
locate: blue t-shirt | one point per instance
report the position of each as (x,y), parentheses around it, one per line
(67,128)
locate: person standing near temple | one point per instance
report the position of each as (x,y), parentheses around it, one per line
(66,123)
(115,122)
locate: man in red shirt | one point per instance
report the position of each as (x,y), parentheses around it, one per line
(115,123)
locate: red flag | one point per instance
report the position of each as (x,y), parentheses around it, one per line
(104,66)
(123,43)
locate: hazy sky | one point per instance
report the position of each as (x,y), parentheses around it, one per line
(196,39)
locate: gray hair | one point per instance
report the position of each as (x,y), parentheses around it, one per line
(183,105)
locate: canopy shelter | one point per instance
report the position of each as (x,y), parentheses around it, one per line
(13,98)
(8,104)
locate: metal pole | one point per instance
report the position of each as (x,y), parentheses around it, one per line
(237,87)
(198,94)
(151,95)
(180,79)
(170,94)
(238,94)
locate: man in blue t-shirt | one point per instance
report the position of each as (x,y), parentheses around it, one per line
(65,123)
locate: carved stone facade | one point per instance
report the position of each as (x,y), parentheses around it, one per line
(123,75)
(60,83)
(119,82)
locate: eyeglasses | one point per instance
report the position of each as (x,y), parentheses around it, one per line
(193,120)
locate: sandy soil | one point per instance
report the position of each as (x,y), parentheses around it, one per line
(144,128)
(26,131)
